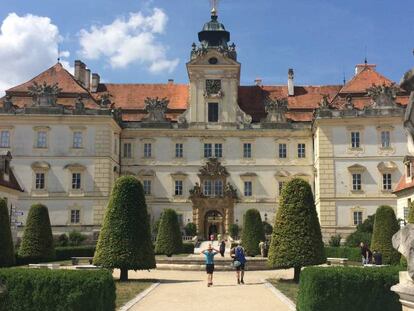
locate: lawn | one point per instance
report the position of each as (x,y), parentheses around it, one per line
(125,291)
(289,288)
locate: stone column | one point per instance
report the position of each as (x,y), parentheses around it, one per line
(405,289)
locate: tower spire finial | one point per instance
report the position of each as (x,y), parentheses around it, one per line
(58,56)
(214,7)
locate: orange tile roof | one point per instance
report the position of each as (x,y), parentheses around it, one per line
(364,80)
(55,74)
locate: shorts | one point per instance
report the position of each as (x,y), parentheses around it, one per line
(241,267)
(209,268)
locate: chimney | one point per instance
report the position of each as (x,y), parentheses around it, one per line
(258,82)
(95,82)
(360,67)
(80,68)
(291,85)
(87,81)
(170,81)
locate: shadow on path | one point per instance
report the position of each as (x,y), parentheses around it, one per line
(167,281)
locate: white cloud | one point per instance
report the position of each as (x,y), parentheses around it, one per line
(127,41)
(28,45)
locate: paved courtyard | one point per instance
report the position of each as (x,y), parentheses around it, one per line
(187,290)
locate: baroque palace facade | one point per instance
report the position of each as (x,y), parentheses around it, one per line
(210,149)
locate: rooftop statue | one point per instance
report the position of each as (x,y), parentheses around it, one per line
(44,95)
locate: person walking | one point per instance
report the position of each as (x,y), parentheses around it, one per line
(239,262)
(222,248)
(209,253)
(262,248)
(366,254)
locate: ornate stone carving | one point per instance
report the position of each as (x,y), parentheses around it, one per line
(213,168)
(403,241)
(383,95)
(276,110)
(156,109)
(44,95)
(226,51)
(105,100)
(79,105)
(324,104)
(230,191)
(196,192)
(349,104)
(8,104)
(213,89)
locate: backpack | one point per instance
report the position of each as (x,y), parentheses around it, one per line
(239,254)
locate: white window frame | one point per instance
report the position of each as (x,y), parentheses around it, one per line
(77,139)
(179,150)
(76,184)
(385,139)
(208,150)
(41,139)
(301,154)
(248,188)
(247,150)
(356,181)
(40,173)
(147,185)
(355,139)
(5,137)
(359,219)
(178,188)
(282,151)
(387,181)
(127,150)
(147,150)
(75,214)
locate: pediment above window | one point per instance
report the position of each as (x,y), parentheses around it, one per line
(387,166)
(357,168)
(75,167)
(40,165)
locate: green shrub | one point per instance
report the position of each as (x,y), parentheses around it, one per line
(37,242)
(7,257)
(234,230)
(76,238)
(57,290)
(253,232)
(65,253)
(190,229)
(352,253)
(125,238)
(348,289)
(188,248)
(297,238)
(169,239)
(385,226)
(355,238)
(62,240)
(335,240)
(268,229)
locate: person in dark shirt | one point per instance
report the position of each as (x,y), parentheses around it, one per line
(222,248)
(366,254)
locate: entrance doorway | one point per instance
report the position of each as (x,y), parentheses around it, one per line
(213,224)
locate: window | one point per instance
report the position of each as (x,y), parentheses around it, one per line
(180,219)
(247,150)
(208,150)
(213,112)
(40,181)
(385,139)
(248,189)
(282,151)
(75,216)
(408,170)
(357,218)
(147,187)
(406,212)
(355,139)
(356,182)
(4,139)
(178,191)
(77,140)
(386,182)
(115,145)
(218,150)
(207,188)
(76,181)
(218,188)
(301,151)
(128,150)
(179,150)
(281,184)
(41,141)
(147,150)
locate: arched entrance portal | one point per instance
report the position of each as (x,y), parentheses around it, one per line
(214,223)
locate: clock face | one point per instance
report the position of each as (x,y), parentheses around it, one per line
(213,61)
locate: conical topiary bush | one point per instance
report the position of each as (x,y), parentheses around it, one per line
(253,232)
(125,238)
(7,257)
(385,226)
(37,241)
(296,239)
(169,239)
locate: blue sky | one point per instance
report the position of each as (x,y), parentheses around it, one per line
(322,40)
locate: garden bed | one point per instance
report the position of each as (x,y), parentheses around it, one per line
(287,287)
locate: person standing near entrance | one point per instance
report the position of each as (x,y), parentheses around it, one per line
(239,262)
(209,253)
(222,248)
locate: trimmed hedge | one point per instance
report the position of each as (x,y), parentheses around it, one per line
(57,290)
(253,232)
(352,253)
(348,289)
(169,239)
(188,248)
(7,258)
(65,253)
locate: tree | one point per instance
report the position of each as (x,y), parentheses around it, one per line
(363,233)
(253,232)
(169,239)
(297,239)
(190,229)
(234,230)
(125,238)
(385,226)
(410,218)
(76,238)
(7,257)
(37,241)
(268,229)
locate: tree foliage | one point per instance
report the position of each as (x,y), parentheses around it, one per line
(191,229)
(268,229)
(253,232)
(385,226)
(7,257)
(37,241)
(169,239)
(234,230)
(125,238)
(363,233)
(297,239)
